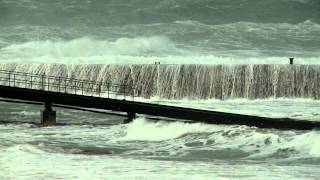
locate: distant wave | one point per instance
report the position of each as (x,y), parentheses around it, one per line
(140,50)
(86,47)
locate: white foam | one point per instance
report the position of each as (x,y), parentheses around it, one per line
(143,130)
(88,57)
(22,149)
(17,163)
(26,113)
(138,50)
(258,143)
(89,47)
(301,145)
(307,143)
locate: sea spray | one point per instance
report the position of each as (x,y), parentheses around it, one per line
(143,130)
(193,81)
(86,47)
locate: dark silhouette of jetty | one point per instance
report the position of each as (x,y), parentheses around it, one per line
(77,93)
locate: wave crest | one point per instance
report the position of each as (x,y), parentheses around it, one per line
(87,47)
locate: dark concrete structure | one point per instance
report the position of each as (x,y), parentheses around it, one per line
(48,116)
(291,60)
(132,108)
(131,116)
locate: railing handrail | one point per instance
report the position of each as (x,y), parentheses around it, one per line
(57,77)
(63,84)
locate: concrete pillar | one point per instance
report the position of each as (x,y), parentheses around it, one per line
(131,116)
(48,116)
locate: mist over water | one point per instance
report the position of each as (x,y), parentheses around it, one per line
(221,55)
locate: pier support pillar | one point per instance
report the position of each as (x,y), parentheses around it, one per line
(131,116)
(48,116)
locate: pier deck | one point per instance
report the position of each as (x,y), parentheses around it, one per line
(19,87)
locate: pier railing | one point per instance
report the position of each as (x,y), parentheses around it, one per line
(66,85)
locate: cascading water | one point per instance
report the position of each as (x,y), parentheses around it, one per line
(194,81)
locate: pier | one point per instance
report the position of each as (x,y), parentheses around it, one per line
(52,90)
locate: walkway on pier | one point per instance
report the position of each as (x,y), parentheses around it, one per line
(103,95)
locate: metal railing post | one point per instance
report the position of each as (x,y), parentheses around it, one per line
(31,82)
(82,87)
(65,85)
(75,87)
(99,89)
(14,80)
(108,86)
(42,82)
(132,89)
(48,83)
(124,92)
(25,80)
(59,84)
(92,89)
(9,78)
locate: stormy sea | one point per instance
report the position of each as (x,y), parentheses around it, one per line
(220,55)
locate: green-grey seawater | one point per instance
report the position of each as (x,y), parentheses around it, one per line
(102,39)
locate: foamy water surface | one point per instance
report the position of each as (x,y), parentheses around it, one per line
(97,146)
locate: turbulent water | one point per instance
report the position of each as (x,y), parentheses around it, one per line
(222,55)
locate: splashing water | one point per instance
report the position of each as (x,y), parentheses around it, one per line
(194,81)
